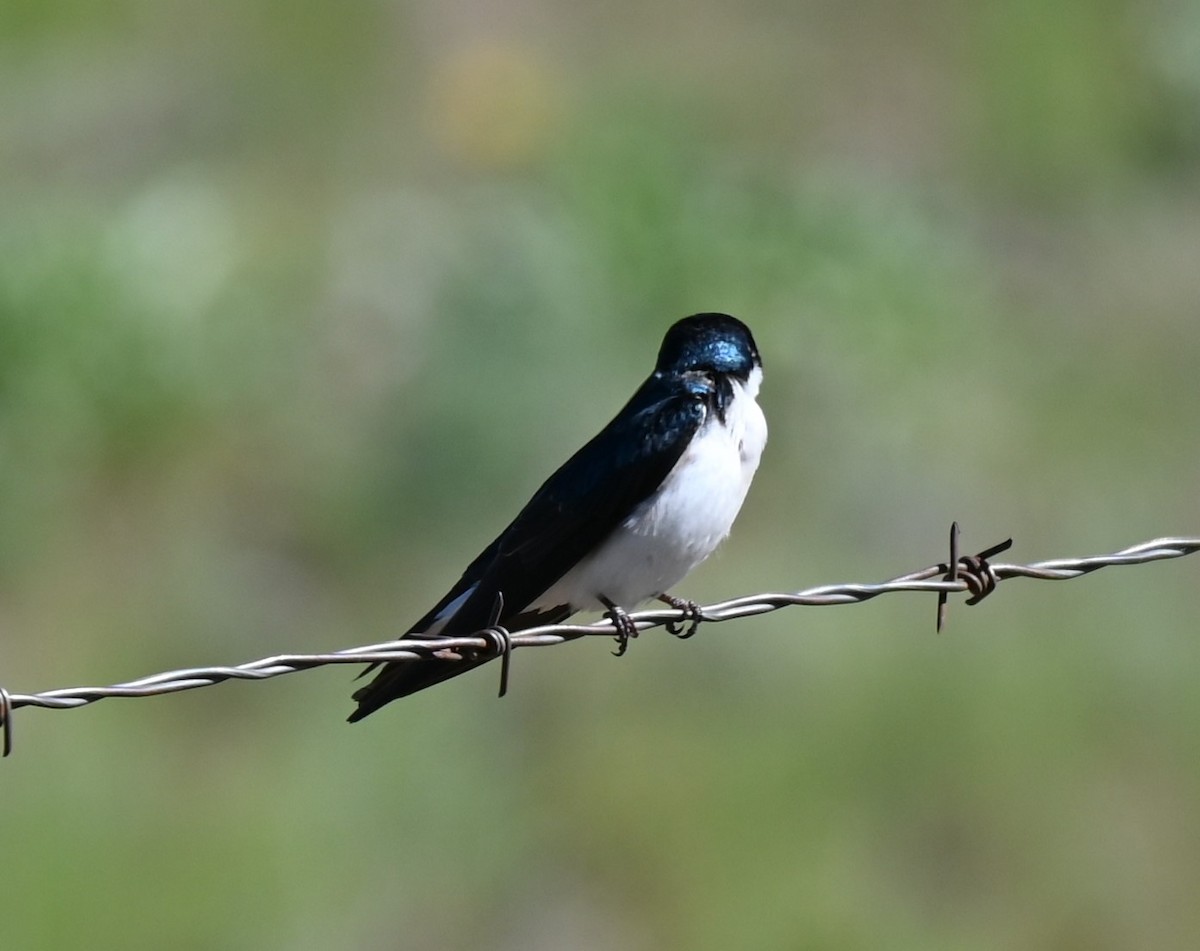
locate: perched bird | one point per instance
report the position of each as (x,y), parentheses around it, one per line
(625,518)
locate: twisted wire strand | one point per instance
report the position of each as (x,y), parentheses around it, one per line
(972,575)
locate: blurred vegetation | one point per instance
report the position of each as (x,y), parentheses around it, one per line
(298,303)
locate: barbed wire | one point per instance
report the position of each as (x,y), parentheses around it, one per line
(973,575)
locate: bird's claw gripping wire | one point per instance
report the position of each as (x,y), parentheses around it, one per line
(972,570)
(693,614)
(626,627)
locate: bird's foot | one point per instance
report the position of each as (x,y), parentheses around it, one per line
(692,616)
(626,628)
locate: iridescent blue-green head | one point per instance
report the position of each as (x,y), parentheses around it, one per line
(709,343)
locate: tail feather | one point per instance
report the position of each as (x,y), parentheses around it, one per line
(401,679)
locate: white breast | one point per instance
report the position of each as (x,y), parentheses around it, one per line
(683,522)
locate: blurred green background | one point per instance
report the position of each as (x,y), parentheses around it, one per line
(282,287)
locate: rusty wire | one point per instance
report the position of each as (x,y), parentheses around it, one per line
(973,575)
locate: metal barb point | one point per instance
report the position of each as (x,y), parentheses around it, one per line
(502,646)
(501,640)
(951,576)
(6,709)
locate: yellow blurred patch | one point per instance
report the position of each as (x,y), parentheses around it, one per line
(493,105)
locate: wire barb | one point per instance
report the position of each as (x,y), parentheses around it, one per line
(6,708)
(501,639)
(981,579)
(973,575)
(973,570)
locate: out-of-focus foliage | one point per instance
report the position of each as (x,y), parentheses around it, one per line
(299,302)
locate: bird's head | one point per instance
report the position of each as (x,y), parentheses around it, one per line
(710,343)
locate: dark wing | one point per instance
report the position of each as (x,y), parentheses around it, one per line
(569,516)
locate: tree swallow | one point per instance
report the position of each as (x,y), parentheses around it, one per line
(625,518)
